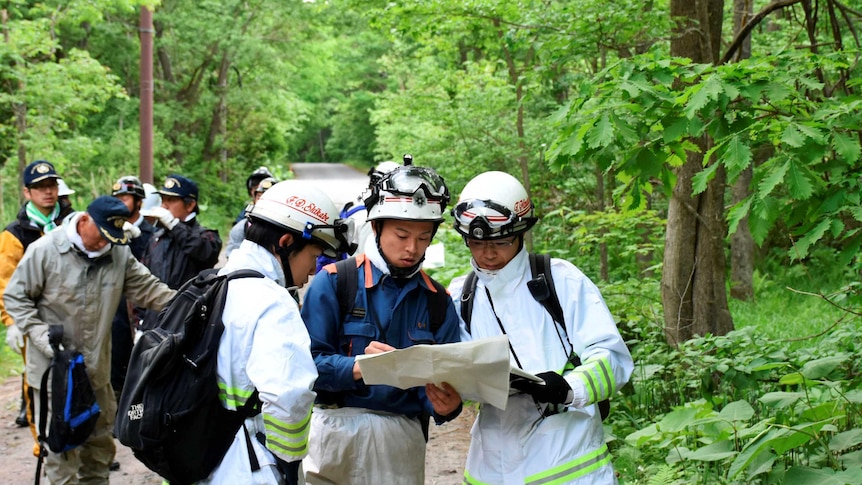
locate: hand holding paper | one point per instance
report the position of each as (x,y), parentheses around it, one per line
(478,370)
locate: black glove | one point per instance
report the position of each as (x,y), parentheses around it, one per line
(555,389)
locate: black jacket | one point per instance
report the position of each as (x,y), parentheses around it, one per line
(179,254)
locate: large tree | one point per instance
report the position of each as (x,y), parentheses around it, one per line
(693,282)
(691,125)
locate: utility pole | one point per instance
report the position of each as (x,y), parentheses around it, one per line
(146,35)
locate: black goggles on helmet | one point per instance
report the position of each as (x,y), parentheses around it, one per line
(129,187)
(483,226)
(410,179)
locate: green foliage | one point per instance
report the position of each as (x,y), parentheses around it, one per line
(640,114)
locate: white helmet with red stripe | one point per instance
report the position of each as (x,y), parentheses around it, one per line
(493,205)
(409,193)
(305,211)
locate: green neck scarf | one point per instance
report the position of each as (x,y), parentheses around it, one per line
(45,222)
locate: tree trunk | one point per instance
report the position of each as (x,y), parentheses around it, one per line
(694,297)
(741,242)
(218,114)
(604,270)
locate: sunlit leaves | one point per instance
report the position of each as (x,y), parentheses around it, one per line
(744,108)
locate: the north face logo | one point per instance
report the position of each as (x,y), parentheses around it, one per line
(136,412)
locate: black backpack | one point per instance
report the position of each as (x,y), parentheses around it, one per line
(74,410)
(169,413)
(543,290)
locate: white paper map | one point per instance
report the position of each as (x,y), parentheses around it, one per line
(478,370)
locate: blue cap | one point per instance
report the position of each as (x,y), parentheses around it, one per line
(109,214)
(38,171)
(179,186)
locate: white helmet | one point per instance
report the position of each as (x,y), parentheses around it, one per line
(378,171)
(63,189)
(493,205)
(307,211)
(152,199)
(409,193)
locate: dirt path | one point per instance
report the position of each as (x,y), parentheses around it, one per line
(447,449)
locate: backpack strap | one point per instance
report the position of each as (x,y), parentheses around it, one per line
(345,286)
(438,301)
(540,269)
(467,292)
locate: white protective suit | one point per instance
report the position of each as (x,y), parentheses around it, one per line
(518,445)
(265,346)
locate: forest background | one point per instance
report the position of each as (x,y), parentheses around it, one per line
(698,159)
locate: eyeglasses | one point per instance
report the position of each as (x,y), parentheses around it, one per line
(497,245)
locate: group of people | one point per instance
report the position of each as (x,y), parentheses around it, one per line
(320,423)
(95,272)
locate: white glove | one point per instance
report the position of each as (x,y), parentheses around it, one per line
(164,216)
(14,338)
(132,231)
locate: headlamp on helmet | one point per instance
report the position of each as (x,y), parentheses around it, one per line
(493,205)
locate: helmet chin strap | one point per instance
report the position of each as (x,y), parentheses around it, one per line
(283,253)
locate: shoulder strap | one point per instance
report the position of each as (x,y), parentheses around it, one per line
(540,268)
(437,304)
(345,284)
(467,292)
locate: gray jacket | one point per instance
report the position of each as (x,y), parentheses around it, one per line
(57,284)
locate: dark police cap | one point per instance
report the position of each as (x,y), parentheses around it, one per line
(109,214)
(38,171)
(179,186)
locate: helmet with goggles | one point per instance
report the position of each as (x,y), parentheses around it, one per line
(306,211)
(408,193)
(129,185)
(265,185)
(377,172)
(259,174)
(493,205)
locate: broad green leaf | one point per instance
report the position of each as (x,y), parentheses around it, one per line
(792,136)
(777,92)
(819,368)
(854,396)
(736,214)
(847,147)
(772,179)
(750,452)
(798,183)
(846,440)
(803,475)
(811,132)
(810,238)
(770,366)
(677,420)
(737,411)
(644,435)
(713,452)
(602,134)
(675,129)
(702,178)
(762,463)
(736,156)
(781,399)
(796,436)
(703,94)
